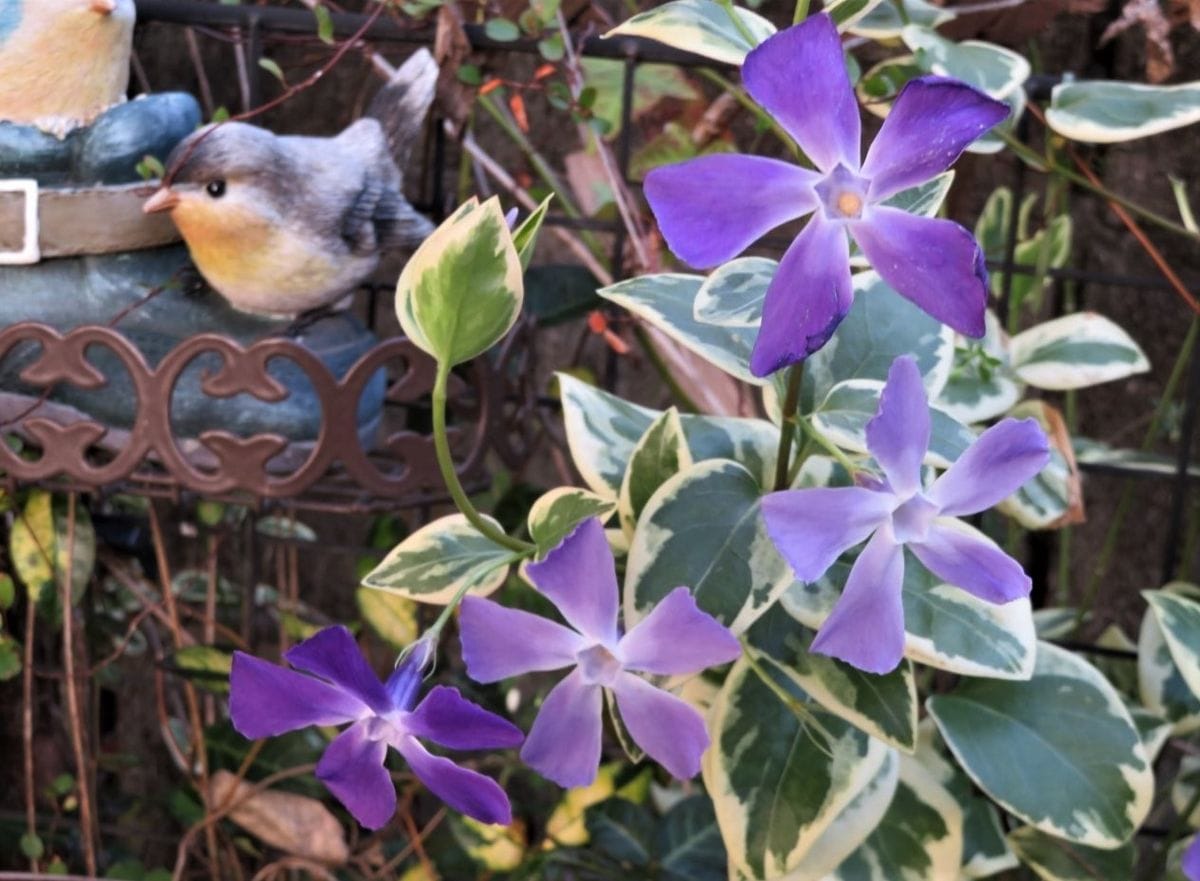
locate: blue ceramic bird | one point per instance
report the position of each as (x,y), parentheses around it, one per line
(63,62)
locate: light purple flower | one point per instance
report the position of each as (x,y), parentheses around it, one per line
(675,638)
(811,528)
(710,209)
(1191,860)
(266,700)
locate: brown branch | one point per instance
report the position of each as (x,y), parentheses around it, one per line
(27,697)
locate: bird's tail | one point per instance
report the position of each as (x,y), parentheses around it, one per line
(401,105)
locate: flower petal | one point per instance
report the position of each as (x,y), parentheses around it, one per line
(352,769)
(580,578)
(498,642)
(866,627)
(898,433)
(667,728)
(931,122)
(333,654)
(806,300)
(993,468)
(564,743)
(464,790)
(799,77)
(266,700)
(449,719)
(811,528)
(1190,862)
(712,208)
(964,557)
(677,637)
(933,262)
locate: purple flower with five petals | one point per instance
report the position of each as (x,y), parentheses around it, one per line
(266,700)
(811,528)
(1190,863)
(676,637)
(710,209)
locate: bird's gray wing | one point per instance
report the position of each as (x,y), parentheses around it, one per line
(358,222)
(380,218)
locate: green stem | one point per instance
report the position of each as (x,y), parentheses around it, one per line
(824,443)
(747,103)
(731,11)
(1039,163)
(801,12)
(445,462)
(787,431)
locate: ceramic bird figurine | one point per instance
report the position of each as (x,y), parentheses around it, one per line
(287,225)
(63,62)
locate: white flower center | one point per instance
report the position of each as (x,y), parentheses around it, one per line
(598,665)
(912,519)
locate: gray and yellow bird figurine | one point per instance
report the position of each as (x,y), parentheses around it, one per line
(63,62)
(288,225)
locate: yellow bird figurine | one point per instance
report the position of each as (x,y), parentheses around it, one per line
(287,225)
(63,62)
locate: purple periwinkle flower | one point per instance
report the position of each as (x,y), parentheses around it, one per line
(266,700)
(1190,863)
(811,528)
(710,209)
(579,577)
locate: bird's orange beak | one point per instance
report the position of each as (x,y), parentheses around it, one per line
(103,7)
(163,200)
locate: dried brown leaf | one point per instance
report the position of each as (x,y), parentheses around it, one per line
(1160,60)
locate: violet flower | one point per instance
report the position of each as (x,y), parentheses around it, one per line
(713,207)
(811,528)
(267,700)
(1190,863)
(676,637)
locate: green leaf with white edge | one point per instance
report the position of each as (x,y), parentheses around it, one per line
(732,296)
(1183,790)
(621,829)
(688,843)
(462,290)
(1044,499)
(287,528)
(666,301)
(525,236)
(846,12)
(660,455)
(702,27)
(1154,730)
(776,784)
(920,837)
(986,66)
(207,666)
(1074,352)
(884,21)
(1161,686)
(843,415)
(1056,238)
(1053,859)
(703,529)
(944,627)
(1106,112)
(1057,622)
(556,514)
(432,564)
(883,706)
(1021,744)
(393,617)
(852,826)
(1094,452)
(1179,618)
(981,386)
(602,431)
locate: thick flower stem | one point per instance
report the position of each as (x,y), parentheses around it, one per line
(446,464)
(801,11)
(738,23)
(787,431)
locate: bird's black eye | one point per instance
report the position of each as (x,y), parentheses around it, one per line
(215,188)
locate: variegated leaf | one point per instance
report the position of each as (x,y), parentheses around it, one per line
(776,784)
(1179,618)
(885,21)
(435,561)
(602,431)
(945,627)
(1054,496)
(1053,859)
(732,296)
(1183,790)
(883,706)
(667,301)
(1107,112)
(1152,728)
(1161,686)
(986,66)
(920,837)
(847,12)
(702,27)
(703,529)
(553,516)
(924,199)
(1020,742)
(1097,453)
(1075,351)
(981,386)
(851,827)
(1056,622)
(462,289)
(660,455)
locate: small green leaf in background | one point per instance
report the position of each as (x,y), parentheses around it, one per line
(556,514)
(1106,112)
(502,30)
(272,67)
(32,847)
(525,236)
(8,591)
(285,528)
(462,290)
(10,657)
(208,666)
(496,848)
(324,24)
(699,26)
(622,830)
